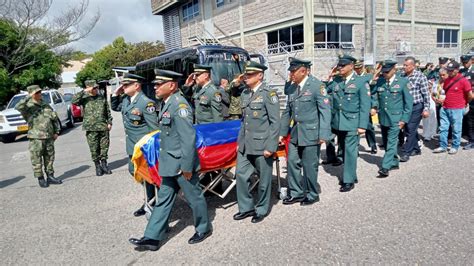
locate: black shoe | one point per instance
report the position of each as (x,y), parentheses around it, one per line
(98,170)
(292,200)
(383,173)
(53,180)
(199,237)
(404,158)
(140,212)
(342,183)
(243,215)
(328,162)
(373,150)
(414,153)
(337,162)
(257,218)
(394,168)
(307,201)
(105,167)
(42,183)
(145,243)
(346,187)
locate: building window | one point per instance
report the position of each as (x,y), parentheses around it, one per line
(285,40)
(190,10)
(333,36)
(220,3)
(447,38)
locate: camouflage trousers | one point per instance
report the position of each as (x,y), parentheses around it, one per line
(42,154)
(98,144)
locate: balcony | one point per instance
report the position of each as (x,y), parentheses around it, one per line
(158,7)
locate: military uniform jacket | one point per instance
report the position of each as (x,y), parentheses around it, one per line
(260,125)
(96,111)
(177,137)
(207,104)
(310,111)
(43,121)
(351,103)
(139,117)
(394,101)
(234,93)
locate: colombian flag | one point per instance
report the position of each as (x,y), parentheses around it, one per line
(216,144)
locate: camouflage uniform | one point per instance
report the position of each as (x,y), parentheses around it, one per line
(43,123)
(235,111)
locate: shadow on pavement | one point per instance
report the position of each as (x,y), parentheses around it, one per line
(73,172)
(11,181)
(118,163)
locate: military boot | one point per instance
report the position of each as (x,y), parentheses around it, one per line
(105,167)
(42,182)
(53,180)
(98,169)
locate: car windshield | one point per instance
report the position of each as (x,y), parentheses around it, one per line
(67,97)
(14,101)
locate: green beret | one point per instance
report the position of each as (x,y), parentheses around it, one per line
(162,76)
(90,83)
(252,67)
(202,68)
(131,78)
(346,59)
(33,89)
(296,63)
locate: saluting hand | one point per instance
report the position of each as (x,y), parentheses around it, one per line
(190,80)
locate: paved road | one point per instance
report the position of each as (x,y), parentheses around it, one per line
(423,213)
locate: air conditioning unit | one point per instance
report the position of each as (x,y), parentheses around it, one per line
(404,47)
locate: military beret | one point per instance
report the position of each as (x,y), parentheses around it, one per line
(90,83)
(465,58)
(202,68)
(387,65)
(33,89)
(253,67)
(131,78)
(359,63)
(443,60)
(346,59)
(296,63)
(452,66)
(162,76)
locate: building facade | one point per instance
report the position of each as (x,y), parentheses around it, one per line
(316,29)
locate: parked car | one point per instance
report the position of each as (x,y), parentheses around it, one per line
(12,123)
(76,111)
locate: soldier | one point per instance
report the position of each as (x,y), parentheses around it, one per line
(139,118)
(207,99)
(351,104)
(370,132)
(235,89)
(97,123)
(178,163)
(468,124)
(43,130)
(257,141)
(434,74)
(225,98)
(309,110)
(394,104)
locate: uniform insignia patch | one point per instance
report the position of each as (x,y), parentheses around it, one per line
(135,111)
(396,86)
(274,99)
(203,97)
(183,112)
(150,107)
(218,97)
(307,93)
(135,123)
(166,114)
(182,105)
(255,114)
(322,90)
(352,86)
(326,100)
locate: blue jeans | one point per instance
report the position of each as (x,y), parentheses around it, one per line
(450,118)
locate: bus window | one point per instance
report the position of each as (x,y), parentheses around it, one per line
(225,64)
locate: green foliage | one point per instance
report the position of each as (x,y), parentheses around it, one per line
(119,53)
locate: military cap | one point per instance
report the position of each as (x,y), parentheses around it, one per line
(162,76)
(296,63)
(359,63)
(452,66)
(131,78)
(465,58)
(33,89)
(253,67)
(387,65)
(202,68)
(443,60)
(90,83)
(346,59)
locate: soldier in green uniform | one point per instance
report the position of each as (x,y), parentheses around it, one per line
(206,97)
(434,74)
(178,165)
(350,108)
(235,89)
(43,130)
(394,104)
(370,132)
(257,141)
(139,118)
(97,123)
(309,110)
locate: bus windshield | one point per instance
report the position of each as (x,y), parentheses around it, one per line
(225,64)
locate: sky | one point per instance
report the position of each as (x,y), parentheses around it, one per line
(133,20)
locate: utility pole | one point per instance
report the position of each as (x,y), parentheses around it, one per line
(370,33)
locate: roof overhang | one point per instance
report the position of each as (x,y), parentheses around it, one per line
(158,7)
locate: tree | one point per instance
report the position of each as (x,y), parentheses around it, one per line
(119,53)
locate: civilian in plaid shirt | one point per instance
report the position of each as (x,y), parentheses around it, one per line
(421,106)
